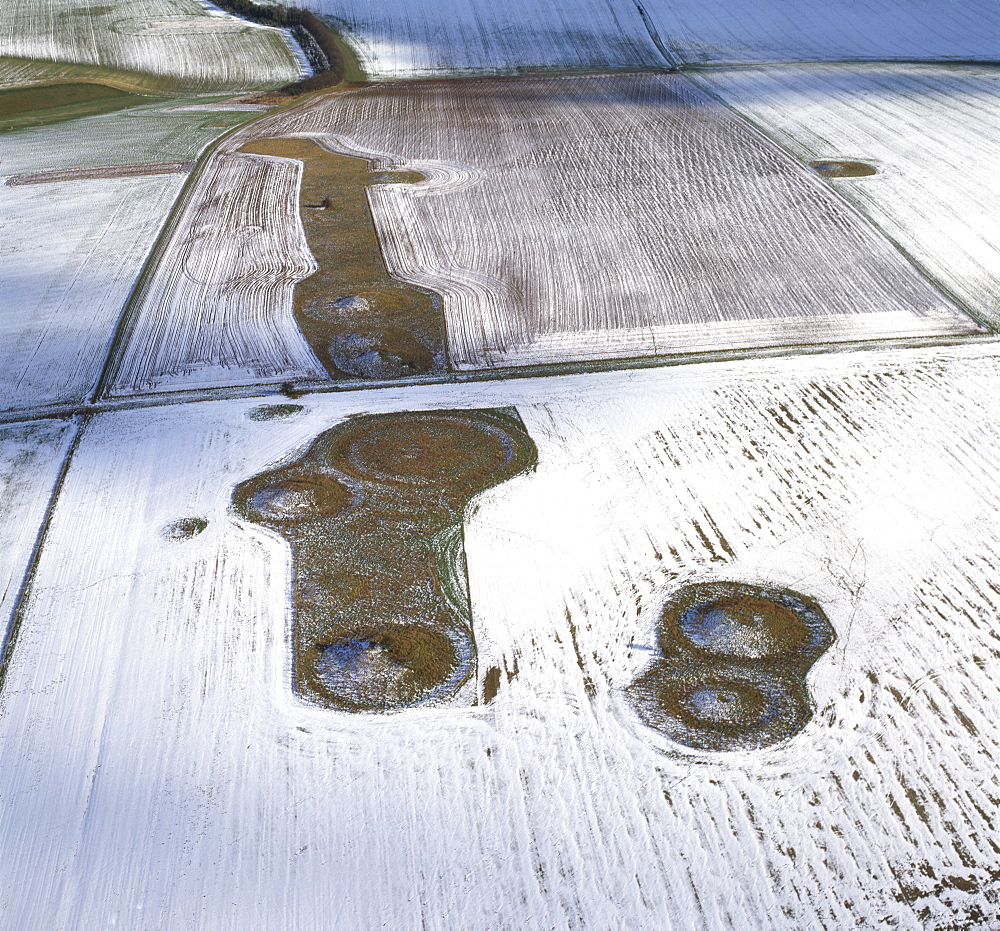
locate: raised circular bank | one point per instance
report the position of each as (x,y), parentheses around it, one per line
(720,707)
(448,450)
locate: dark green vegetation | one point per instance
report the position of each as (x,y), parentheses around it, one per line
(331,58)
(373,513)
(57,103)
(359,320)
(733,670)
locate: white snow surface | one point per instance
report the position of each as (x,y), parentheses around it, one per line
(70,253)
(930,130)
(165,774)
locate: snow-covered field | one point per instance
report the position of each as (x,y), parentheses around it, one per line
(419,38)
(69,256)
(155,133)
(168,776)
(931,130)
(416,38)
(614,216)
(31,456)
(181,43)
(825,30)
(218,308)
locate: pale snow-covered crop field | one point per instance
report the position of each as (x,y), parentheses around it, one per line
(167,775)
(418,38)
(931,130)
(603,208)
(181,43)
(71,253)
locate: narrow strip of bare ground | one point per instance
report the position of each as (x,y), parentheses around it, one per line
(359,320)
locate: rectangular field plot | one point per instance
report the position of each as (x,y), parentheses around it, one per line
(567,219)
(70,254)
(166,774)
(930,131)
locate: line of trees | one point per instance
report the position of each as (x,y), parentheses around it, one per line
(317,40)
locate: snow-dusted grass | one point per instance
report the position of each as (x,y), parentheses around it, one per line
(69,255)
(164,774)
(931,130)
(148,134)
(614,216)
(180,43)
(31,455)
(217,309)
(825,30)
(412,38)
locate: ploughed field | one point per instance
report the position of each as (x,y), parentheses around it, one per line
(541,500)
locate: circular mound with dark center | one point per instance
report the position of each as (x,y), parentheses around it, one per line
(387,667)
(303,496)
(446,450)
(735,620)
(843,169)
(386,353)
(734,706)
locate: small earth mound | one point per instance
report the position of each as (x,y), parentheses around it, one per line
(843,169)
(184,529)
(380,354)
(274,412)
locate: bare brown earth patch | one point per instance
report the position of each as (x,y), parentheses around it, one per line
(360,321)
(91,174)
(373,513)
(733,670)
(842,169)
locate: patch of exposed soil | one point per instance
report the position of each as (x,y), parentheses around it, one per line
(733,670)
(360,321)
(373,513)
(184,529)
(841,169)
(90,174)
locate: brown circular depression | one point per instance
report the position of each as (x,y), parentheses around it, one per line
(843,169)
(298,497)
(397,177)
(385,667)
(274,412)
(429,449)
